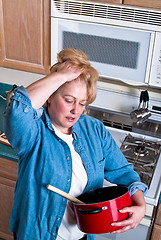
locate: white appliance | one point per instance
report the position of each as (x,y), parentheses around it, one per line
(122,43)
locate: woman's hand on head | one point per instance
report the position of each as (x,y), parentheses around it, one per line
(68,71)
(136,212)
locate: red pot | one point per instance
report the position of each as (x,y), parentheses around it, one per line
(101,209)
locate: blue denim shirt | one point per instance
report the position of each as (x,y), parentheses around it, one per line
(45,159)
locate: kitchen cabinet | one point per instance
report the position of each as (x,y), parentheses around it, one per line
(144,3)
(140,3)
(110,1)
(25,35)
(8,176)
(156,234)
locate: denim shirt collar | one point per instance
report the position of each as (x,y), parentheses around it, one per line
(46,119)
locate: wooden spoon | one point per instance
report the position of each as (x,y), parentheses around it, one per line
(64,194)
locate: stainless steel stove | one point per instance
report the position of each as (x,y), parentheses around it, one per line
(143,154)
(141,145)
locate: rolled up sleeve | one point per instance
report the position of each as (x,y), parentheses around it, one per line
(19,116)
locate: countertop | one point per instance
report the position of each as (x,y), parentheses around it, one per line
(7,152)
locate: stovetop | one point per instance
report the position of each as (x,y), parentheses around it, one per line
(143,154)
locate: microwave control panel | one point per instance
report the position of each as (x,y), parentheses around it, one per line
(155,76)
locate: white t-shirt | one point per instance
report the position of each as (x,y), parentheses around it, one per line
(68,228)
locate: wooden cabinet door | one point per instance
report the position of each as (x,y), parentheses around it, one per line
(8,175)
(158,217)
(6,202)
(24,35)
(109,1)
(144,3)
(156,235)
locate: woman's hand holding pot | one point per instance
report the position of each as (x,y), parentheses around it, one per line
(136,213)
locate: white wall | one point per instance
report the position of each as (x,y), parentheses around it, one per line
(11,76)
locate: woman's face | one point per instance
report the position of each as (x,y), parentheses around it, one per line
(67,104)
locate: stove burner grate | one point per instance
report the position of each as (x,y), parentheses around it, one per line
(143,154)
(140,150)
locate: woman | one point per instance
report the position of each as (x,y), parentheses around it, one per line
(58,145)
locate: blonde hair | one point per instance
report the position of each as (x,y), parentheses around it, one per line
(79,59)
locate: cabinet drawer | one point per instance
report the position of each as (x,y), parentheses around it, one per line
(144,3)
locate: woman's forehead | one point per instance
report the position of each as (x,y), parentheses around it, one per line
(74,88)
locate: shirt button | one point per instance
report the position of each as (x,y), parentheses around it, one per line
(53,234)
(68,158)
(58,219)
(63,199)
(68,180)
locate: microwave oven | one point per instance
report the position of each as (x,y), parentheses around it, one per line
(122,43)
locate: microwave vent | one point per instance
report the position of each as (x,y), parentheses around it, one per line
(105,11)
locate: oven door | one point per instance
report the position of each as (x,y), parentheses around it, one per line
(143,232)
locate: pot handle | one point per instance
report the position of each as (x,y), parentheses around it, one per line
(94,211)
